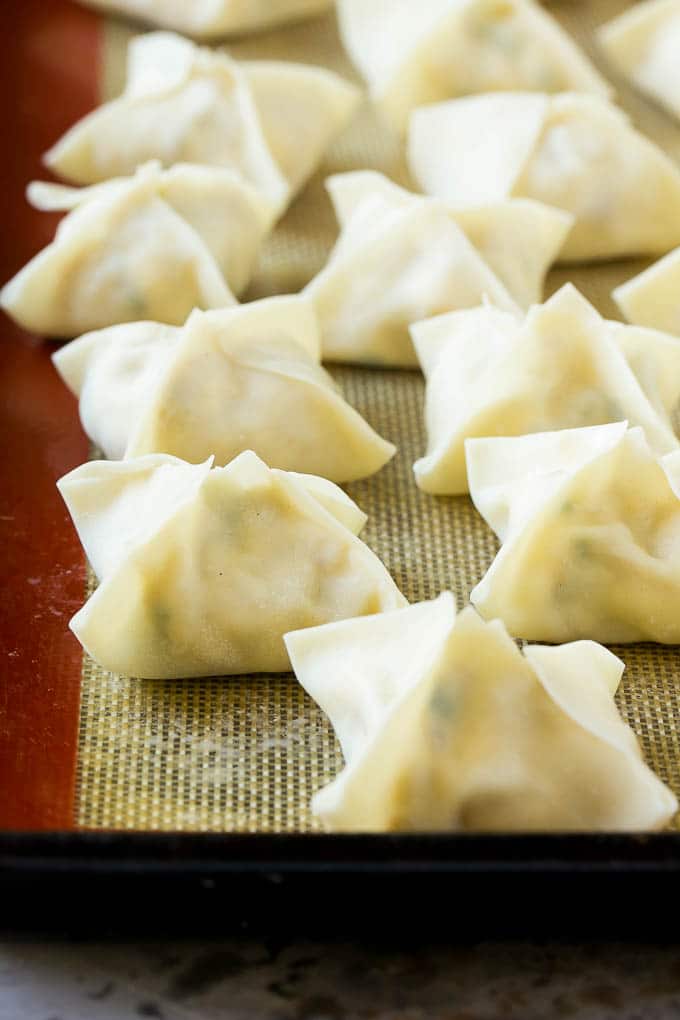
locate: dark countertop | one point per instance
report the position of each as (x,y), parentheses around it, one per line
(276,980)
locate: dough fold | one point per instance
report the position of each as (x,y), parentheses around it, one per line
(214,19)
(643,44)
(228,381)
(563,366)
(402,257)
(574,151)
(412,54)
(153,246)
(203,570)
(589,521)
(269,121)
(446,725)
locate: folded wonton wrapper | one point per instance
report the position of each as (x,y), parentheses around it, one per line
(643,44)
(152,246)
(212,19)
(573,151)
(653,298)
(402,257)
(203,571)
(490,374)
(414,53)
(590,524)
(243,378)
(269,121)
(446,725)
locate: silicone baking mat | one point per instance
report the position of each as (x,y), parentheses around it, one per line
(246,754)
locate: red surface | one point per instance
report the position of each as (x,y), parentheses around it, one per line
(48,78)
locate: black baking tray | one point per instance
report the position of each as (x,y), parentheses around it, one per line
(422,886)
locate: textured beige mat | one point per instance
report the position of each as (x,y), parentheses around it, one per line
(246,754)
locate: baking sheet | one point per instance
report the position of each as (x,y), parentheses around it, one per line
(246,754)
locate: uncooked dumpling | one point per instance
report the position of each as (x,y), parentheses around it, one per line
(269,121)
(643,44)
(573,151)
(590,524)
(403,257)
(152,246)
(446,725)
(243,378)
(563,366)
(212,19)
(413,53)
(653,297)
(203,571)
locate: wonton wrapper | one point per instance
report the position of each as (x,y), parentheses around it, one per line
(203,571)
(590,524)
(152,246)
(643,44)
(446,725)
(413,53)
(576,152)
(233,380)
(211,19)
(269,121)
(489,374)
(403,257)
(653,298)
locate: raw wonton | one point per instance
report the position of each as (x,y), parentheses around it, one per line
(210,19)
(643,44)
(401,257)
(446,725)
(653,298)
(269,121)
(203,571)
(576,152)
(590,524)
(413,53)
(243,378)
(490,374)
(151,246)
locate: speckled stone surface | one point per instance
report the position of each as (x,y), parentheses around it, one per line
(259,980)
